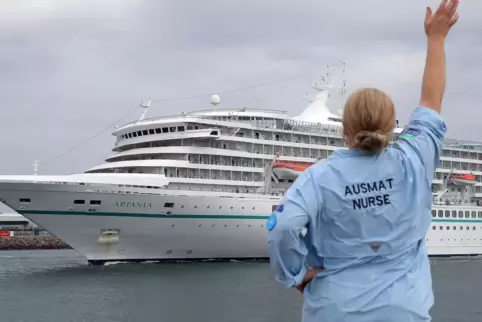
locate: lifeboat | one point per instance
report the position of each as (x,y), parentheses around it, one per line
(462,179)
(289,171)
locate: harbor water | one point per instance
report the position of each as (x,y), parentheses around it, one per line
(59,285)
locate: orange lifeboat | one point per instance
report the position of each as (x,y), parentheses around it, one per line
(461,179)
(289,170)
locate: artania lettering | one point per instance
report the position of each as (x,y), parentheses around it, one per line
(132,204)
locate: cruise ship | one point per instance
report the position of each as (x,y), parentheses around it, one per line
(201,185)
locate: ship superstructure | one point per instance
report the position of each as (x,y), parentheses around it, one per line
(202,184)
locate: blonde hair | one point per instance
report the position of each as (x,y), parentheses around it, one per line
(368,120)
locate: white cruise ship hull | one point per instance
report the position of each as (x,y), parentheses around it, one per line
(180,225)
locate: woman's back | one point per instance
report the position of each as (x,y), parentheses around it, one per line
(370,228)
(367,217)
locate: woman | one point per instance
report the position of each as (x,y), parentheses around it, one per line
(367,208)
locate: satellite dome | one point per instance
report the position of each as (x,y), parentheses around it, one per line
(215,100)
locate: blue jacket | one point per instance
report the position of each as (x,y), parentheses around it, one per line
(364,218)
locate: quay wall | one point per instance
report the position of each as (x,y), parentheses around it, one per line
(31,243)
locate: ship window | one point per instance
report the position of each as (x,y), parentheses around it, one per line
(172,129)
(95,202)
(79,202)
(169,205)
(144,132)
(467,214)
(165,130)
(461,214)
(467,228)
(473,228)
(130,135)
(447,213)
(139,133)
(434,213)
(434,228)
(189,127)
(24,200)
(158,131)
(454,214)
(479,214)
(474,214)
(441,228)
(134,134)
(454,227)
(151,131)
(447,228)
(180,128)
(440,213)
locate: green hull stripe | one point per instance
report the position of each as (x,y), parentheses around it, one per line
(144,215)
(178,216)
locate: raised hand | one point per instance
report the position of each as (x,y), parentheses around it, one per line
(438,25)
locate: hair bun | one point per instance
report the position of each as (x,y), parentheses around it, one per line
(372,142)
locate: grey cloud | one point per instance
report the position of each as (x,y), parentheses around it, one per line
(69,72)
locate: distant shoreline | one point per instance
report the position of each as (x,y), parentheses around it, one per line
(31,243)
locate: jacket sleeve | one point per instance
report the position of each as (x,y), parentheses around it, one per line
(422,139)
(287,249)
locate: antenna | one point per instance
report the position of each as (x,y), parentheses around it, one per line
(35,167)
(326,84)
(145,107)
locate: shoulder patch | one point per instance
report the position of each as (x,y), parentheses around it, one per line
(410,133)
(271,222)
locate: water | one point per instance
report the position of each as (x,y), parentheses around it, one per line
(60,286)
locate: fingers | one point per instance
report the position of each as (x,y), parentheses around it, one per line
(443,5)
(454,20)
(428,14)
(452,7)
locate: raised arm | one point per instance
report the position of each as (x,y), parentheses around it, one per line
(437,27)
(422,139)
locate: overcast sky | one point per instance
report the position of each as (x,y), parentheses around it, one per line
(70,68)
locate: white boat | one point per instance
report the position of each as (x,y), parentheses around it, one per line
(201,185)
